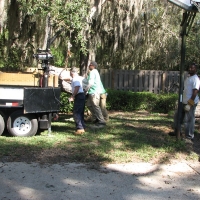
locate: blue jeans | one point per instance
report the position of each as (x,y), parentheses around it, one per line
(188,119)
(78,111)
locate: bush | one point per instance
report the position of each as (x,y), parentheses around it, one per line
(130,101)
(66,106)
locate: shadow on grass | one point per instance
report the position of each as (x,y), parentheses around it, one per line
(128,138)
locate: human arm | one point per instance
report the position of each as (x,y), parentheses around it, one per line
(191,100)
(194,94)
(76,89)
(67,79)
(90,81)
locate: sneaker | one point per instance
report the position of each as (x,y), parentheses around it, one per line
(79,132)
(190,138)
(98,125)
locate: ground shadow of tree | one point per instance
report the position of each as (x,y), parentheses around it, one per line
(125,132)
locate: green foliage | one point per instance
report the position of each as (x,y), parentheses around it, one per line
(3,39)
(14,61)
(68,16)
(193,43)
(59,57)
(155,44)
(165,102)
(130,101)
(66,106)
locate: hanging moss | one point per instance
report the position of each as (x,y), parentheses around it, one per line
(127,34)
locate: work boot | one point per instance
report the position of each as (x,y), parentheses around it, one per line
(79,132)
(100,125)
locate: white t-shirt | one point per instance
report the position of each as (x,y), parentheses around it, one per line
(191,83)
(77,81)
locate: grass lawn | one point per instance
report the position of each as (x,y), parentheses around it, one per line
(128,137)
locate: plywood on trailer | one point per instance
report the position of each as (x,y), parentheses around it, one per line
(25,79)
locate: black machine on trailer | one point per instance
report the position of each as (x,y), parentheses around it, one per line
(25,110)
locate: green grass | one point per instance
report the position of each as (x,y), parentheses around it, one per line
(128,137)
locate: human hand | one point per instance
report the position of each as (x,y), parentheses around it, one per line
(190,102)
(187,107)
(71,99)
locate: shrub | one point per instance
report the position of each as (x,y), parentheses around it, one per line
(66,106)
(131,101)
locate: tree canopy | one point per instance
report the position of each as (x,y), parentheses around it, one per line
(127,34)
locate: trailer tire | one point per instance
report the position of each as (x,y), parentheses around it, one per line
(2,125)
(22,125)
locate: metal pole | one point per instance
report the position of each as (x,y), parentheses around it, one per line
(45,79)
(180,103)
(188,18)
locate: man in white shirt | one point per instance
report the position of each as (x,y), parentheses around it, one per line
(190,101)
(78,96)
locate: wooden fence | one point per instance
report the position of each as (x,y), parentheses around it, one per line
(141,80)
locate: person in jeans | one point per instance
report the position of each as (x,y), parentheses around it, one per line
(190,101)
(94,91)
(78,96)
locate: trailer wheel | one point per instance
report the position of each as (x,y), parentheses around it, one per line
(22,125)
(2,125)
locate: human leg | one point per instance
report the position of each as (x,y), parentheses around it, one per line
(78,111)
(89,105)
(189,122)
(82,116)
(103,98)
(94,101)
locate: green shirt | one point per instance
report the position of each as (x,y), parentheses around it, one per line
(96,86)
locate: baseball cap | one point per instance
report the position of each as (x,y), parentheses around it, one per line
(94,64)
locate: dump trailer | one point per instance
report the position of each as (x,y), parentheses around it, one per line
(28,101)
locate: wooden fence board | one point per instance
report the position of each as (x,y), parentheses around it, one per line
(140,80)
(146,80)
(126,80)
(151,81)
